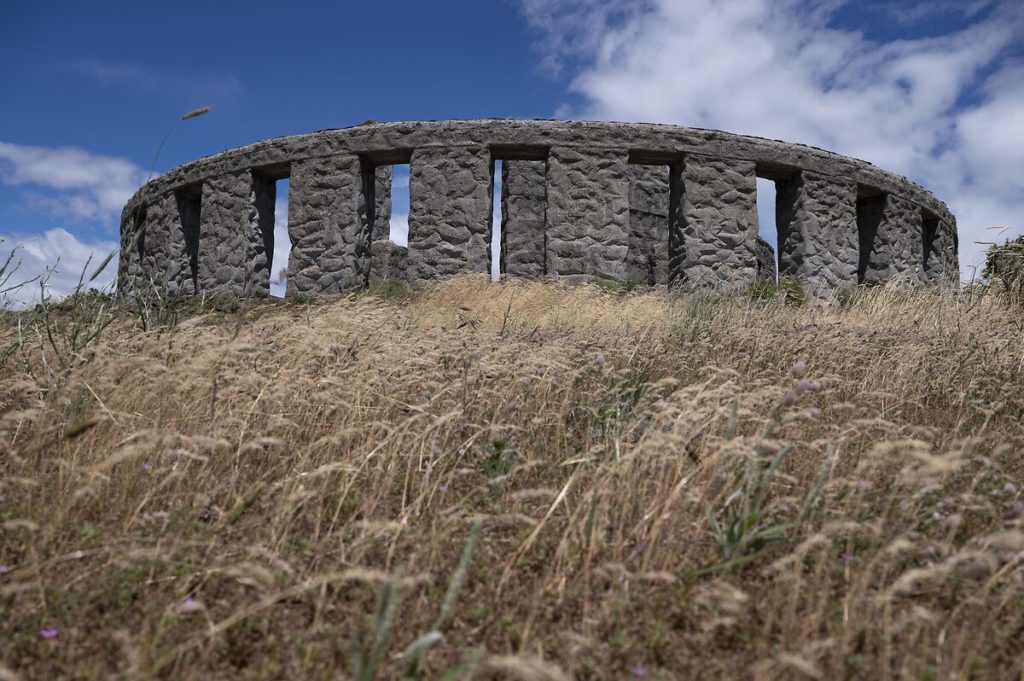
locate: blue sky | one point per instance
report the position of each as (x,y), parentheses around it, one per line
(933,90)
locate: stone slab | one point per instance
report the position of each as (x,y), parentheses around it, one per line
(588,214)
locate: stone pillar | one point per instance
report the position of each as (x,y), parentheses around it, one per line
(381,203)
(164,259)
(388,262)
(647,260)
(449,213)
(328,226)
(941,262)
(816,218)
(767,268)
(264,203)
(588,214)
(232,260)
(129,263)
(523,218)
(715,233)
(951,252)
(890,241)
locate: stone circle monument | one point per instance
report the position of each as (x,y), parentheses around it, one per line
(580,201)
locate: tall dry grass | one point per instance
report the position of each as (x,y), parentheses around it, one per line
(665,487)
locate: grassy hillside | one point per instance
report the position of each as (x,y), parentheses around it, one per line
(561,483)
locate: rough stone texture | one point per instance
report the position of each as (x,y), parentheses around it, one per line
(381,218)
(766,268)
(649,199)
(589,206)
(232,261)
(890,241)
(940,256)
(717,223)
(133,244)
(264,201)
(449,213)
(388,262)
(164,262)
(588,214)
(328,226)
(524,218)
(816,218)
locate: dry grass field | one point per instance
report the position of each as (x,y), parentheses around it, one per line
(516,481)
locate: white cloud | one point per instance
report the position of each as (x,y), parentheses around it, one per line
(399,229)
(57,257)
(70,182)
(282,245)
(779,69)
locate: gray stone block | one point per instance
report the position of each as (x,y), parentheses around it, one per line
(328,226)
(588,214)
(449,213)
(524,218)
(891,241)
(816,217)
(584,213)
(766,266)
(649,203)
(165,262)
(717,224)
(381,219)
(388,263)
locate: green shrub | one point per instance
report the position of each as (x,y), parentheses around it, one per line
(1004,268)
(389,290)
(787,291)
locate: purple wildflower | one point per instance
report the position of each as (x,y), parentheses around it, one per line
(49,633)
(190,604)
(638,670)
(146,465)
(807,385)
(847,558)
(4,569)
